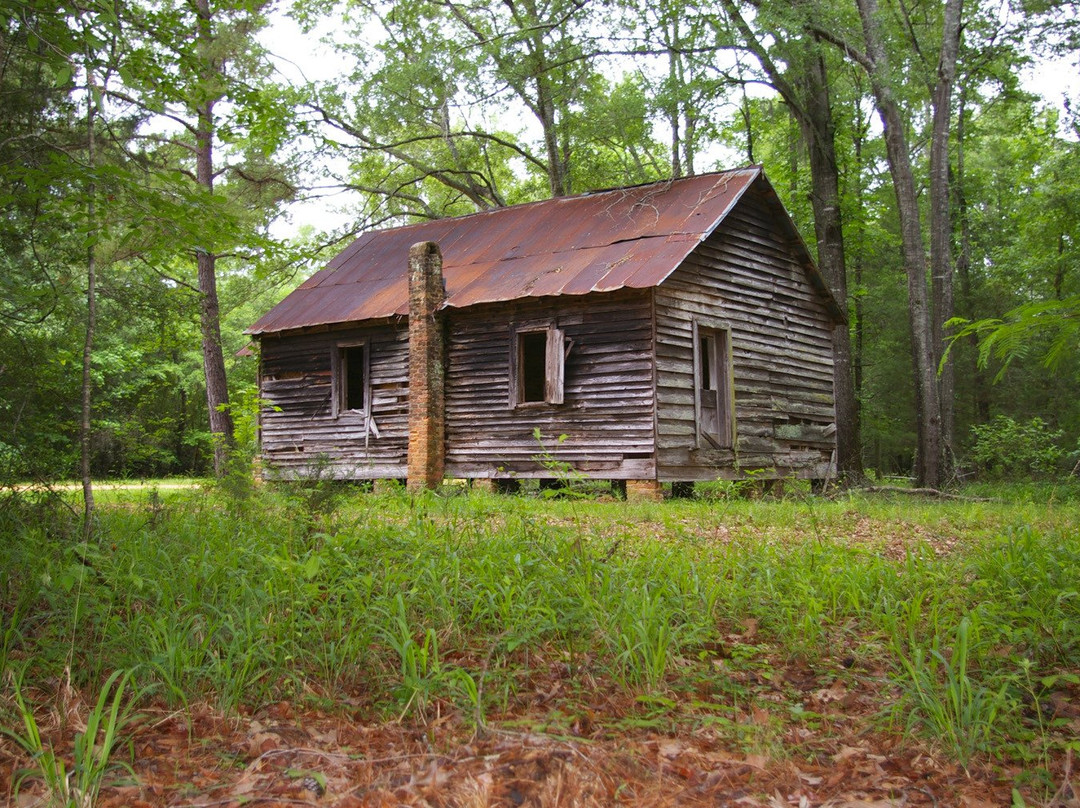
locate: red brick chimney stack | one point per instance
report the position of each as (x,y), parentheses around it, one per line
(427,413)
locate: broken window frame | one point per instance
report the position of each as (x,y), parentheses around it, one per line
(717,368)
(555,350)
(340,369)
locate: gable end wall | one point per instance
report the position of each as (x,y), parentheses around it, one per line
(746,278)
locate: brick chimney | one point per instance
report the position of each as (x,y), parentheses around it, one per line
(427,414)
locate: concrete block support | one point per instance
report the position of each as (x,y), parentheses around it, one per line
(427,411)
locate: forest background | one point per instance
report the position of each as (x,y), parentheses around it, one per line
(151,151)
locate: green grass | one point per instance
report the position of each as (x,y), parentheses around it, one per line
(404,607)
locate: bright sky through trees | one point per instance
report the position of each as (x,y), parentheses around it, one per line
(302,57)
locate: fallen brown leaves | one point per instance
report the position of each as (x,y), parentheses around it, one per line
(284,757)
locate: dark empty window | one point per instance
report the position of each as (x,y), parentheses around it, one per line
(351,377)
(532,364)
(536,366)
(706,357)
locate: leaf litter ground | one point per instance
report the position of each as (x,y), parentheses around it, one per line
(794,736)
(284,756)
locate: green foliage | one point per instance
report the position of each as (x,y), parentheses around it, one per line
(423,677)
(444,110)
(141,63)
(1049,327)
(974,670)
(94,747)
(1007,449)
(1030,581)
(949,699)
(416,606)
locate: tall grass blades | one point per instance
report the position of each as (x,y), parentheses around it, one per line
(948,699)
(433,601)
(647,636)
(21,597)
(1032,582)
(420,667)
(77,787)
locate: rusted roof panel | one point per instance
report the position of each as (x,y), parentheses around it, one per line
(631,237)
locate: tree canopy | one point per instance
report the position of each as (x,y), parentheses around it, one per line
(148,147)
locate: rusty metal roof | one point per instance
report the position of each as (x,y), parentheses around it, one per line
(598,242)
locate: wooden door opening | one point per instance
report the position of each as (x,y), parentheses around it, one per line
(714,404)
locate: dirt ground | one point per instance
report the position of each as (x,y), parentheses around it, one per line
(281,757)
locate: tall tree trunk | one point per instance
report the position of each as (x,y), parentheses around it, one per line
(91,310)
(858,363)
(810,105)
(558,181)
(673,111)
(859,253)
(819,133)
(217,390)
(941,258)
(928,460)
(544,107)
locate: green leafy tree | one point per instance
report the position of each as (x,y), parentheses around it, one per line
(198,68)
(793,58)
(1007,449)
(1019,285)
(455,107)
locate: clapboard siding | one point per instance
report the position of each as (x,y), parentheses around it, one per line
(607,413)
(746,277)
(628,392)
(300,436)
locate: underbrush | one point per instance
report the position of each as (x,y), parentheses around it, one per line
(957,623)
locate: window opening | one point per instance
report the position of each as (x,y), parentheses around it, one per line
(532,362)
(715,407)
(352,377)
(536,366)
(708,353)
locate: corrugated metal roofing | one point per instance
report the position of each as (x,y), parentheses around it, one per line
(599,242)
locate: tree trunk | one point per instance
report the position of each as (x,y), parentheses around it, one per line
(857,273)
(941,259)
(928,465)
(557,159)
(673,113)
(217,390)
(557,179)
(819,134)
(91,313)
(810,105)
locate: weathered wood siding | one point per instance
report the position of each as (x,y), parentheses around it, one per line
(607,411)
(745,278)
(300,436)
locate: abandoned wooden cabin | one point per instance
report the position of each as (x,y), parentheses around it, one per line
(678,331)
